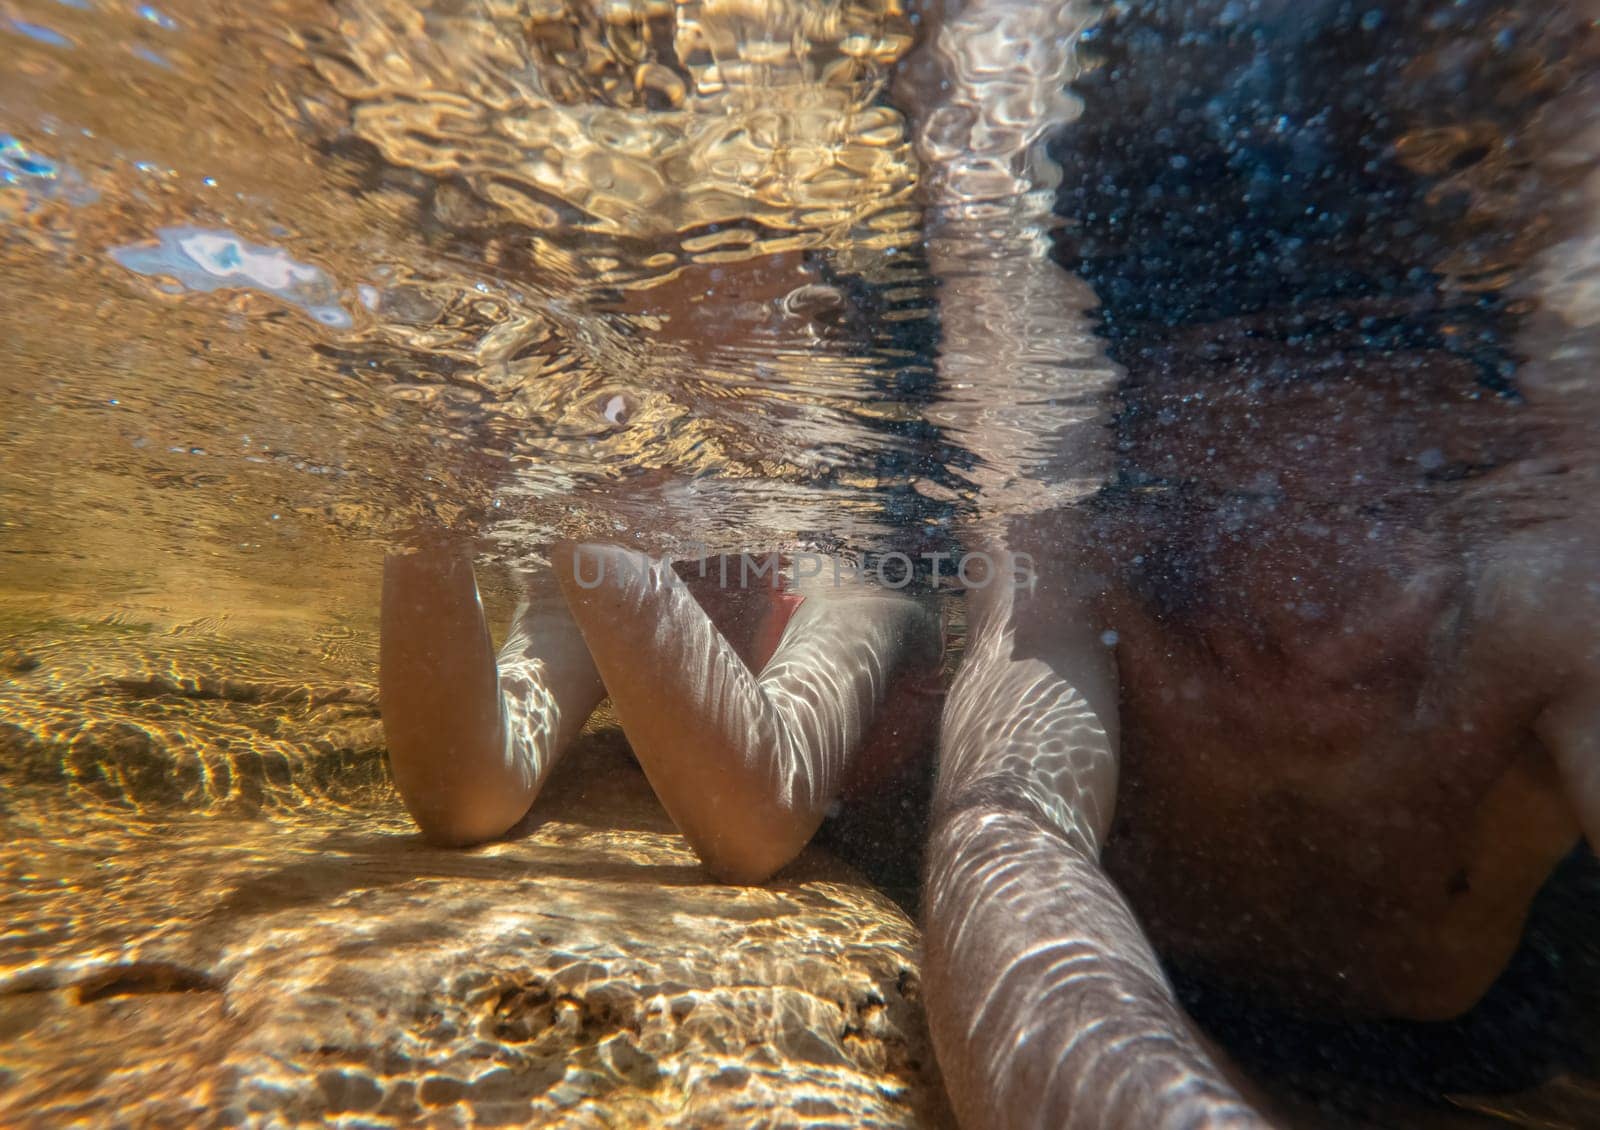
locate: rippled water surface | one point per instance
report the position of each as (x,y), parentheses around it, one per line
(282,282)
(478,257)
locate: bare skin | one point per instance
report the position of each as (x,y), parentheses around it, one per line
(472,737)
(745,761)
(1365,805)
(1047,1005)
(1356,721)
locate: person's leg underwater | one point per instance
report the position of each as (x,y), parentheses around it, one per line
(745,762)
(1046,1002)
(471,737)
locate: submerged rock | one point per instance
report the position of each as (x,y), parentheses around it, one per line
(315,960)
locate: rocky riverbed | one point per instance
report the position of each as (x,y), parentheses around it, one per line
(217,913)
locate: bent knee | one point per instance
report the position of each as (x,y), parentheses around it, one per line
(456,821)
(747,860)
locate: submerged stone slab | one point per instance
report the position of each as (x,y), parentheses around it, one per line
(331,965)
(279,947)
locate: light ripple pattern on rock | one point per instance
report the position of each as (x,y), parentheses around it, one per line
(327,965)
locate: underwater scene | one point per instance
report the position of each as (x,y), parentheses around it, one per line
(800,563)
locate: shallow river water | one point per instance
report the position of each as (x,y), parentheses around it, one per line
(284,282)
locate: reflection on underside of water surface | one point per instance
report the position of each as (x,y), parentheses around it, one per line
(335,333)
